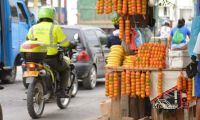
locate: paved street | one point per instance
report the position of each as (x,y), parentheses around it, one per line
(84,107)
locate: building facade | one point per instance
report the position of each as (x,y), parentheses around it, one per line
(176,9)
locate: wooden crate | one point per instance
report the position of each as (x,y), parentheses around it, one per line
(105,107)
(104,117)
(178,115)
(127,118)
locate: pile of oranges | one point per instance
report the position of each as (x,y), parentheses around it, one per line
(189,90)
(151,55)
(181,82)
(121,28)
(160,83)
(112,84)
(128,30)
(100,6)
(135,83)
(123,7)
(131,83)
(125,25)
(148,84)
(108,6)
(185,85)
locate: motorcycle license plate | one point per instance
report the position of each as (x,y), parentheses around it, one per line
(31,74)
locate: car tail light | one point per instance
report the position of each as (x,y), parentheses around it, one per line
(83,56)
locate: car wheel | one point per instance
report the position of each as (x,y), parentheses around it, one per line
(90,81)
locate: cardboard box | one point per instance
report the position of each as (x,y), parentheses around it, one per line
(105,107)
(104,117)
(178,59)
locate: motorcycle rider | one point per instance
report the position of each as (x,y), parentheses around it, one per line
(51,34)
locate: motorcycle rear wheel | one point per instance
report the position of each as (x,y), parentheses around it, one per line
(35,99)
(75,83)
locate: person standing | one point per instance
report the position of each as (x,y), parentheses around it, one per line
(197,78)
(113,38)
(165,30)
(178,35)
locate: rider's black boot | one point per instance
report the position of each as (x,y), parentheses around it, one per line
(64,84)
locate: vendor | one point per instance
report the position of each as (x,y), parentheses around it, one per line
(177,38)
(197,78)
(113,38)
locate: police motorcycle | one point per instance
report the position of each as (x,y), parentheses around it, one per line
(43,81)
(69,53)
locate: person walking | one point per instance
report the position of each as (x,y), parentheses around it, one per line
(178,35)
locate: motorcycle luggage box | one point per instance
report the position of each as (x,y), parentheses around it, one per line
(33,51)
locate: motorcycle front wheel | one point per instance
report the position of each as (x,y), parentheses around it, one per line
(35,99)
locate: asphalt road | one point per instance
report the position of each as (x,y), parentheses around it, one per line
(85,106)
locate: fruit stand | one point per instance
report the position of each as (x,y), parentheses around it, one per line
(141,78)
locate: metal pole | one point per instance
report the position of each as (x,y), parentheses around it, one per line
(36,7)
(65,6)
(59,13)
(51,3)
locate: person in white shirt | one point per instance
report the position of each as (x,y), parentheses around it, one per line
(165,30)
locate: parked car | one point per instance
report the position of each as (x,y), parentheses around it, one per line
(89,58)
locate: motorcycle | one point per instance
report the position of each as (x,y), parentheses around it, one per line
(69,53)
(44,82)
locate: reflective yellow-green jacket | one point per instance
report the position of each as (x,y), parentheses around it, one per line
(50,34)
